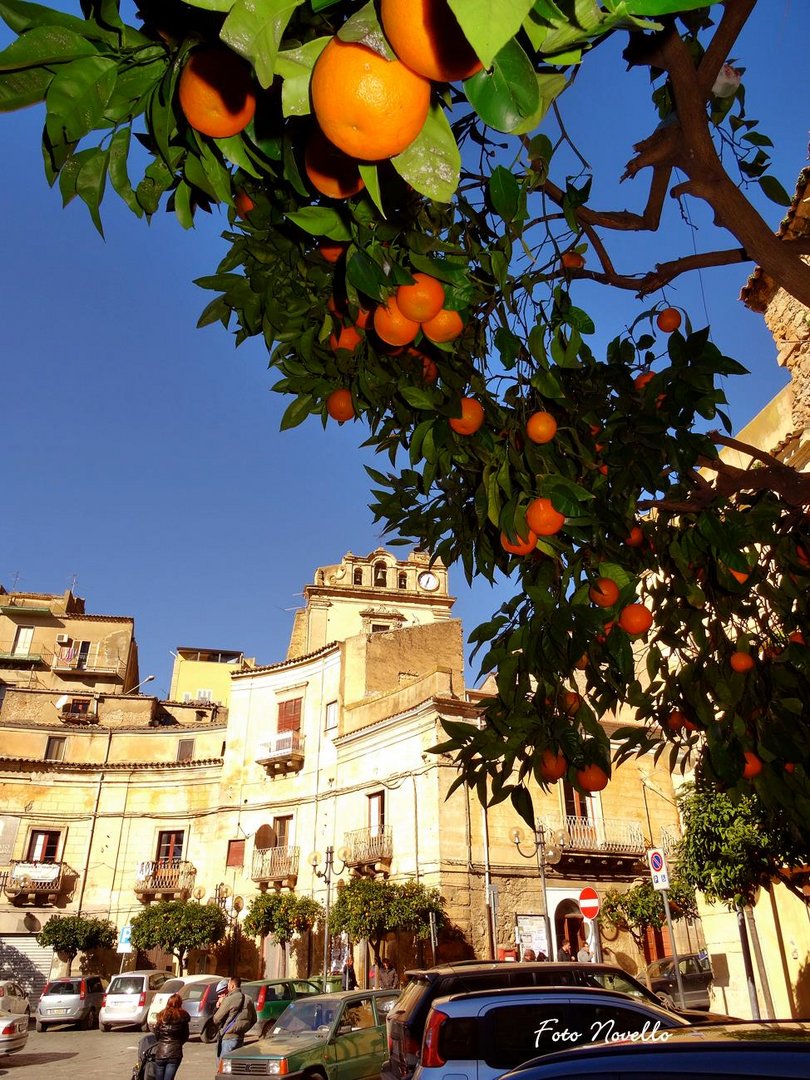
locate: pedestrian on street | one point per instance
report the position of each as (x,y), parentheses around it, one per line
(564,952)
(388,978)
(171,1032)
(584,954)
(349,978)
(234,1017)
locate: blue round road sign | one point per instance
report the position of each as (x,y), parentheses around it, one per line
(656,862)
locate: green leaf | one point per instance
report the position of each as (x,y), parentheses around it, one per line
(549,87)
(211,5)
(321,221)
(18,89)
(371,178)
(254,29)
(504,193)
(295,66)
(78,95)
(91,180)
(364,29)
(489,24)
(297,412)
(508,95)
(432,163)
(774,190)
(419,398)
(367,275)
(45,45)
(117,166)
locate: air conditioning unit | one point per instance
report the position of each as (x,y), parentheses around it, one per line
(62,639)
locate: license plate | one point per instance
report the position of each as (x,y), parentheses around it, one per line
(59,1012)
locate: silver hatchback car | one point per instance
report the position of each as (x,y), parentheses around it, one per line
(128,998)
(73,999)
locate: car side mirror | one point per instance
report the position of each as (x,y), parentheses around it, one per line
(344,1029)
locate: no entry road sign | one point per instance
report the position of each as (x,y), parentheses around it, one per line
(589,903)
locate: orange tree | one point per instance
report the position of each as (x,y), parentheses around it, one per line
(456,183)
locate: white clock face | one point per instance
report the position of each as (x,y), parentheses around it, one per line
(429,581)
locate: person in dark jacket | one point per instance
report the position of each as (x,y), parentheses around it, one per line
(388,978)
(235,1016)
(171,1031)
(349,979)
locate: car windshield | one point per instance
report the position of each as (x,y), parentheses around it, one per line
(123,984)
(63,987)
(308,1015)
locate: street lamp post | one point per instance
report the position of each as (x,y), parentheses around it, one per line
(326,874)
(545,857)
(232,910)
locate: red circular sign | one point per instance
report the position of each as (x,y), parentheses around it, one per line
(589,903)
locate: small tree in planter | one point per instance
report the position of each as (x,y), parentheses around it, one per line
(641,908)
(177,926)
(69,935)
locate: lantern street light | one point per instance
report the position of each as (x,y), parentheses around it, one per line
(327,872)
(547,855)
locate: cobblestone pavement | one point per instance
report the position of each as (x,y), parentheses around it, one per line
(61,1053)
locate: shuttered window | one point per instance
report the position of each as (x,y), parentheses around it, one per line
(289,715)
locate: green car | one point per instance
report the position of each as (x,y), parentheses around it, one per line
(272,996)
(324,1037)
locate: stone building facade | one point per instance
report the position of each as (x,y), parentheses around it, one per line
(328,748)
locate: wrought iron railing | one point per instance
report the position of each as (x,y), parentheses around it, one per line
(670,838)
(285,744)
(34,878)
(74,658)
(275,864)
(367,846)
(618,835)
(165,876)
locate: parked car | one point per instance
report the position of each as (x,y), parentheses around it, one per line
(779,1050)
(406,1022)
(13,1031)
(696,979)
(73,999)
(485,1033)
(272,996)
(200,1002)
(13,999)
(128,998)
(334,1036)
(173,986)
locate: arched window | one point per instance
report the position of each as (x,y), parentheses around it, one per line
(403,580)
(358,575)
(380,575)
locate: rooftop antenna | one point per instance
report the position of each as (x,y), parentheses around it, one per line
(74,581)
(16,577)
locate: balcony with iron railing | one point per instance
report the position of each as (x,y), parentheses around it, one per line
(369,851)
(281,753)
(36,882)
(276,866)
(613,836)
(73,660)
(168,878)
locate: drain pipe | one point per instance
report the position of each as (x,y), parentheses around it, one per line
(491,931)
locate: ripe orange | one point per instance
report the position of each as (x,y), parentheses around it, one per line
(471,419)
(790,767)
(679,721)
(372,108)
(519,546)
(552,767)
(542,518)
(331,252)
(582,663)
(753,766)
(541,427)
(635,537)
(392,326)
(423,300)
(668,320)
(426,36)
(635,619)
(348,339)
(446,326)
(243,203)
(330,171)
(571,702)
(340,406)
(738,575)
(641,381)
(363,318)
(216,92)
(572,260)
(797,637)
(592,778)
(604,592)
(430,372)
(741,662)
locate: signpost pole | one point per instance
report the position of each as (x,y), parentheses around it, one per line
(675,957)
(660,881)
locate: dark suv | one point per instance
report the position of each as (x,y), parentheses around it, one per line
(406,1021)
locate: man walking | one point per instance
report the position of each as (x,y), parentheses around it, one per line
(235,1016)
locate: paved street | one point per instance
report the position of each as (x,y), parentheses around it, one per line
(65,1054)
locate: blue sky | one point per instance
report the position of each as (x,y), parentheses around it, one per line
(143,456)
